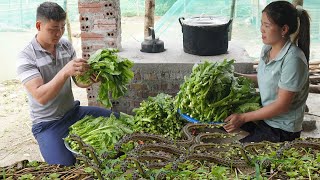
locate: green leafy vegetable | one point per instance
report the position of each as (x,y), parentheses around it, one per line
(113,71)
(159,116)
(211,93)
(101,132)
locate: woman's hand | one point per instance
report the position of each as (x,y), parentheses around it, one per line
(236,74)
(234,122)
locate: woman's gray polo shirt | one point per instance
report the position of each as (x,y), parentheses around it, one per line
(288,71)
(34,61)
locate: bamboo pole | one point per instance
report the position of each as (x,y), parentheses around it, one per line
(21,15)
(67,21)
(149,16)
(233,5)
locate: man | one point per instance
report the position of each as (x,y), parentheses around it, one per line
(45,68)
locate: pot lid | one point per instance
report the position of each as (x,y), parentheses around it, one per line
(205,21)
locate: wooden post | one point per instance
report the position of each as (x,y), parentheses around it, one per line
(233,5)
(21,15)
(297,2)
(67,21)
(137,8)
(314,89)
(149,16)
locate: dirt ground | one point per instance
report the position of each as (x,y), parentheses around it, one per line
(16,140)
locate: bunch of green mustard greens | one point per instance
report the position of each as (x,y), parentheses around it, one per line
(157,115)
(212,92)
(113,71)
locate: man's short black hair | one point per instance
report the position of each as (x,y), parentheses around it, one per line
(50,11)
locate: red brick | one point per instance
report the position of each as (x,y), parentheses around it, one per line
(145,94)
(163,86)
(85,55)
(138,86)
(132,103)
(153,94)
(137,76)
(111,13)
(110,21)
(90,17)
(176,87)
(85,26)
(104,4)
(91,35)
(111,43)
(90,4)
(111,34)
(153,76)
(136,104)
(84,18)
(104,27)
(90,39)
(94,7)
(139,94)
(92,45)
(90,48)
(86,48)
(89,10)
(96,47)
(87,37)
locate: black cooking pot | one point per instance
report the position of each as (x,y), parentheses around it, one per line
(206,35)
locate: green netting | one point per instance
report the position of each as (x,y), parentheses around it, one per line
(246,10)
(136,7)
(18,15)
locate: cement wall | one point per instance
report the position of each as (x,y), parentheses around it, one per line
(151,79)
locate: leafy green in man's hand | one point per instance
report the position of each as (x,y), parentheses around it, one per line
(113,71)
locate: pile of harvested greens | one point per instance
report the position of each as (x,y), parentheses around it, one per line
(212,92)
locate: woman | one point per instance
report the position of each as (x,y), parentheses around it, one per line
(282,77)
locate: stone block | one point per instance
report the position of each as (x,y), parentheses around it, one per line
(309,125)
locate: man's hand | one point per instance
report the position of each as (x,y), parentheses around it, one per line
(233,122)
(76,67)
(95,78)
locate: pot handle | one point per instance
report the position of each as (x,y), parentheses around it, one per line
(228,24)
(181,18)
(180,21)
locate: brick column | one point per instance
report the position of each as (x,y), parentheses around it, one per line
(100,24)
